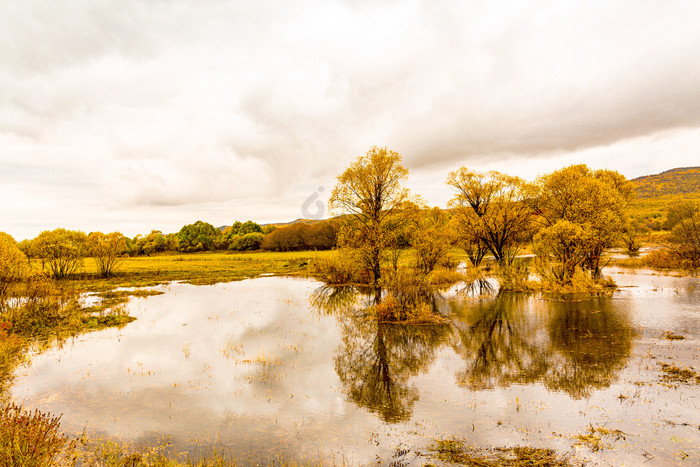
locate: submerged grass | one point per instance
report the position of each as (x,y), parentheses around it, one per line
(668,335)
(674,374)
(595,437)
(455,451)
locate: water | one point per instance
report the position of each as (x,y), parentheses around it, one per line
(274,367)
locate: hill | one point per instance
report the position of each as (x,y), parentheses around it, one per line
(655,193)
(295,221)
(684,180)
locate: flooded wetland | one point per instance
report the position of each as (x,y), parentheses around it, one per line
(279,368)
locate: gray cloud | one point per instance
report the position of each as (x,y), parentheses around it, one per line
(221,104)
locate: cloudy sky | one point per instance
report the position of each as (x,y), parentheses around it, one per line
(134,115)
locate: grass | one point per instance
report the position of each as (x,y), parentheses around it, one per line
(454,451)
(660,258)
(674,374)
(32,439)
(668,335)
(194,268)
(594,437)
(40,312)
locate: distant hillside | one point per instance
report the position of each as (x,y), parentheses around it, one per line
(655,193)
(295,221)
(684,180)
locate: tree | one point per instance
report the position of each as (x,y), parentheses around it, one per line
(249,227)
(288,238)
(491,211)
(247,242)
(631,232)
(677,212)
(685,233)
(568,244)
(151,243)
(370,192)
(465,228)
(13,265)
(107,250)
(27,247)
(199,236)
(61,250)
(593,200)
(231,234)
(431,239)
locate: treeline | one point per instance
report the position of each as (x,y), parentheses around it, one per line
(61,251)
(241,236)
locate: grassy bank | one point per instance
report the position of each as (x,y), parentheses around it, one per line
(195,268)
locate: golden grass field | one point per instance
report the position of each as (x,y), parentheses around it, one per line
(196,268)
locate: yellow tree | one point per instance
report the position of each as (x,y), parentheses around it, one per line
(13,264)
(592,200)
(107,250)
(61,250)
(370,193)
(490,211)
(685,233)
(431,239)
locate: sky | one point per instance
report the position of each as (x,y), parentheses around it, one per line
(134,115)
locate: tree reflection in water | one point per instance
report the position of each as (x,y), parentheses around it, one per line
(591,341)
(571,346)
(499,343)
(376,360)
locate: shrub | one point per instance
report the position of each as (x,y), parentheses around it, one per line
(391,310)
(408,298)
(31,438)
(443,277)
(61,250)
(338,271)
(39,307)
(13,265)
(515,278)
(657,259)
(246,242)
(11,346)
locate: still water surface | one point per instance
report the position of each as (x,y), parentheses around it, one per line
(274,367)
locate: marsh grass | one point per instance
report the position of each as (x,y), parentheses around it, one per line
(193,268)
(32,439)
(660,258)
(454,451)
(595,437)
(668,335)
(106,452)
(675,374)
(40,313)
